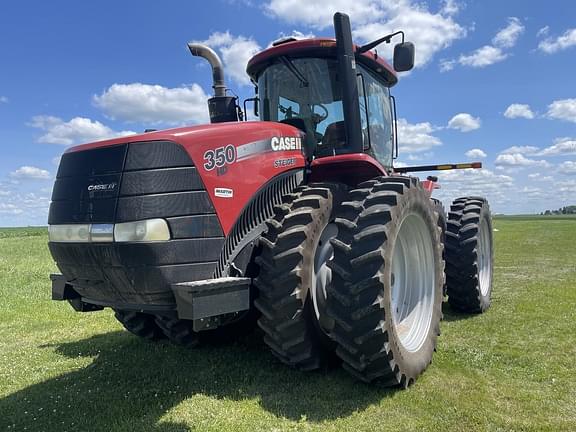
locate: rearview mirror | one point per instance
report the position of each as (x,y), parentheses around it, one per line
(403,56)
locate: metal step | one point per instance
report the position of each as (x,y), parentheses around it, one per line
(207,298)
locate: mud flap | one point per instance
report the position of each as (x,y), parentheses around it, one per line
(62,290)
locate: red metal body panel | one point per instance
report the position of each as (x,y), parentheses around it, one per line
(430,185)
(318,47)
(350,168)
(260,156)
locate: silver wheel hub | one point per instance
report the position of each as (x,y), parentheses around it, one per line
(412,282)
(484,257)
(322,275)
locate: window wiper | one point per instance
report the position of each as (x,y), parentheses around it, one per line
(288,63)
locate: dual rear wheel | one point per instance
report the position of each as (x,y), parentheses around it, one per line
(361,273)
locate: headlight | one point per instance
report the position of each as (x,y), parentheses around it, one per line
(146,230)
(69,233)
(139,231)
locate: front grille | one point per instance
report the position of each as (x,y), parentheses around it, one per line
(130,182)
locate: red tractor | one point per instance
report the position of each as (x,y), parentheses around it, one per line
(299,220)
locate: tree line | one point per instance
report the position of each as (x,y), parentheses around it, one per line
(561,211)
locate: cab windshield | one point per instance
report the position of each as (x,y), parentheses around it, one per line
(303,92)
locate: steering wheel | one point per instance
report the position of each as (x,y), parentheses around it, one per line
(319,117)
(288,112)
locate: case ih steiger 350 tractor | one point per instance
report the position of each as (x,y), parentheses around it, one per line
(299,220)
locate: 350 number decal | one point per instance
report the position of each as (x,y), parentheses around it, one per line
(219,157)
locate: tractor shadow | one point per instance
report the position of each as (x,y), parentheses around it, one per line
(451,314)
(130,384)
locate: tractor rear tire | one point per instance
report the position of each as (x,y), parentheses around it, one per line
(469,255)
(439,208)
(139,324)
(293,318)
(388,274)
(178,331)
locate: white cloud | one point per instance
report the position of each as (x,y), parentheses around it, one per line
(543,31)
(78,130)
(517,160)
(294,34)
(10,209)
(564,109)
(561,146)
(154,104)
(30,172)
(235,52)
(568,167)
(5,190)
(21,209)
(553,45)
(497,188)
(447,65)
(420,156)
(414,138)
(318,14)
(485,56)
(431,32)
(518,111)
(450,7)
(464,122)
(508,36)
(527,150)
(476,154)
(3,99)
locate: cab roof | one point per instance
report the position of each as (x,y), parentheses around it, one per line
(318,47)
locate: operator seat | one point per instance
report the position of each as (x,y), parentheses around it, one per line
(334,138)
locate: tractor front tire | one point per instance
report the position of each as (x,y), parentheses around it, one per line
(469,255)
(178,331)
(293,275)
(388,274)
(139,324)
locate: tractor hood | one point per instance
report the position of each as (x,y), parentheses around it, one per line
(189,135)
(144,174)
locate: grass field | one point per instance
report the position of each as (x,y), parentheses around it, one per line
(513,368)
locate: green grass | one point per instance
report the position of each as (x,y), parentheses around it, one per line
(509,369)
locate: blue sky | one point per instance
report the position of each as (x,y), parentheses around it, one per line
(494,79)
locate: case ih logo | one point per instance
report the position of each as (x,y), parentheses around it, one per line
(102,187)
(286,143)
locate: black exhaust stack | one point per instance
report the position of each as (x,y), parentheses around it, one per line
(347,72)
(222,108)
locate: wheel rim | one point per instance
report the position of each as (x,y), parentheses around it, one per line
(484,258)
(413,282)
(322,276)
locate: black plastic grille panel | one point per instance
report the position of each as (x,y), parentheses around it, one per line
(131,182)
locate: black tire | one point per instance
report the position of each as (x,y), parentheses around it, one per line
(140,324)
(286,269)
(360,297)
(439,208)
(469,289)
(178,331)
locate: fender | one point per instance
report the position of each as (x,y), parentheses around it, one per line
(350,169)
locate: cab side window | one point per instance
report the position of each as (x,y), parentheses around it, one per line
(377,127)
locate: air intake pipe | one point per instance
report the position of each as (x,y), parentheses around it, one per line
(222,108)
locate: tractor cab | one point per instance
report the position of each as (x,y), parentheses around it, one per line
(301,83)
(336,92)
